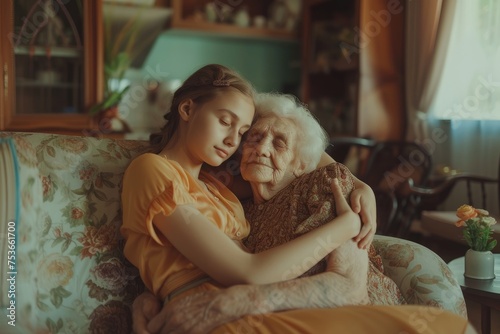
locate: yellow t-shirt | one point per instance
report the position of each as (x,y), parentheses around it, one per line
(153,184)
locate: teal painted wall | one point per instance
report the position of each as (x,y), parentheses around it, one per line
(270,65)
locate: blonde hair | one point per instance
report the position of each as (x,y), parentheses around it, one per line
(201,87)
(313,138)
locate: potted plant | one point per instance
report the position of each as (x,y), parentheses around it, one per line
(477,230)
(120,49)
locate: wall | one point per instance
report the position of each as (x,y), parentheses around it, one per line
(268,64)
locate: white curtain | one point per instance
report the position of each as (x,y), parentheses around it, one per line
(466,107)
(470,80)
(428,30)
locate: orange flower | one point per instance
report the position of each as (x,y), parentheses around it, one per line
(466,212)
(482,212)
(477,227)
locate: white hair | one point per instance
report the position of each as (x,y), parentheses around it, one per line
(313,139)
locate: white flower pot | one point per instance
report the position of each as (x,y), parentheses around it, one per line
(479,265)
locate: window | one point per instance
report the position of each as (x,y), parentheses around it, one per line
(470,82)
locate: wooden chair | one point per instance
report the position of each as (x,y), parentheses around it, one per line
(442,223)
(353,152)
(390,166)
(386,167)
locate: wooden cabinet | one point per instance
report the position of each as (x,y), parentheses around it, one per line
(251,19)
(51,59)
(330,63)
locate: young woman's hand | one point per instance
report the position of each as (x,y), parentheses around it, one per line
(343,207)
(363,202)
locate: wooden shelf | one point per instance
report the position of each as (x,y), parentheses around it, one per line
(182,21)
(330,82)
(235,31)
(48,51)
(44,84)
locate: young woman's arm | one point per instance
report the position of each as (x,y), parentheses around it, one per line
(216,254)
(362,202)
(344,283)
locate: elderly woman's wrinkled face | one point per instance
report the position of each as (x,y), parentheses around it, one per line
(269,152)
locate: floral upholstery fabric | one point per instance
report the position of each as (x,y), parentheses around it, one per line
(422,276)
(299,208)
(72,276)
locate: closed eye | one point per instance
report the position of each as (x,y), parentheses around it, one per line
(253,137)
(224,122)
(280,143)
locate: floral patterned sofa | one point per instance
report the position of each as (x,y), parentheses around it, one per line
(60,198)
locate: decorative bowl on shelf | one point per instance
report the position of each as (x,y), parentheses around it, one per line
(47,76)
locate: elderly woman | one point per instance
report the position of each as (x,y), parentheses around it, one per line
(279,157)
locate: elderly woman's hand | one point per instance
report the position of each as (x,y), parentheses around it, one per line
(363,202)
(203,311)
(145,307)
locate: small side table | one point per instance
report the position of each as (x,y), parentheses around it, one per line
(484,292)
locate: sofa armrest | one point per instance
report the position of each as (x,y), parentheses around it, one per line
(22,196)
(422,276)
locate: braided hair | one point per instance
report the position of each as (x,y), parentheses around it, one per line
(201,86)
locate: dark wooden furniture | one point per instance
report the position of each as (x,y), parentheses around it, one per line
(389,167)
(353,152)
(476,191)
(330,67)
(186,17)
(484,292)
(386,166)
(475,184)
(52,68)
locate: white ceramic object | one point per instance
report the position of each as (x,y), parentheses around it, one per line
(479,265)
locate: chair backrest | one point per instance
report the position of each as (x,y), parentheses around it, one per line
(389,167)
(473,189)
(392,163)
(386,166)
(353,152)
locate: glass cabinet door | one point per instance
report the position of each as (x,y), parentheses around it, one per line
(48,56)
(53,67)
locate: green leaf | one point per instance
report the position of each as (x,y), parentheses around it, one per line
(100,195)
(108,183)
(427,279)
(57,241)
(76,250)
(51,151)
(51,325)
(63,292)
(55,298)
(422,290)
(80,191)
(65,245)
(103,220)
(57,295)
